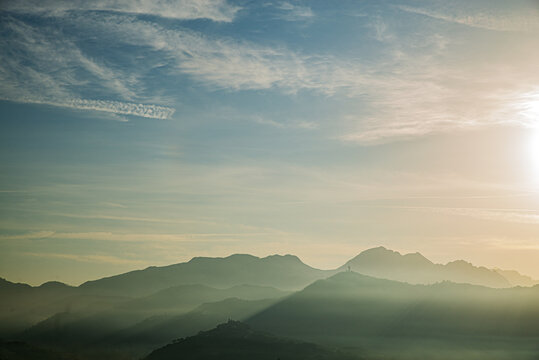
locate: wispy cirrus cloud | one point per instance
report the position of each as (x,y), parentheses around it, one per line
(88,258)
(226,63)
(131,237)
(433,83)
(485,19)
(216,10)
(44,66)
(408,93)
(520,216)
(418,87)
(293,12)
(308,125)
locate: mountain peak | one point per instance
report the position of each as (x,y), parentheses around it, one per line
(285,258)
(54,285)
(379,250)
(416,269)
(233,257)
(380,256)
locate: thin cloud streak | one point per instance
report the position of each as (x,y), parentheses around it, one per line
(216,10)
(99,259)
(131,237)
(483,20)
(123,108)
(520,216)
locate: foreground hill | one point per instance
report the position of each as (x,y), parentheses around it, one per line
(283,272)
(158,331)
(390,319)
(236,341)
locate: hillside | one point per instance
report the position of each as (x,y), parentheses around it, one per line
(236,341)
(354,310)
(157,331)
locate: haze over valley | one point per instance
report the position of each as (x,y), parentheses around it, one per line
(377,298)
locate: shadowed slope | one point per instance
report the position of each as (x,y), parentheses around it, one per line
(235,340)
(159,330)
(350,309)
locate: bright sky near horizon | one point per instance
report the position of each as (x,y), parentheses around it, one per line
(138,133)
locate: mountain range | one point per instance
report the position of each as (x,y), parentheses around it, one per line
(378,295)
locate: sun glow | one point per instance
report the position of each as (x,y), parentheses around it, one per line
(528,111)
(533,155)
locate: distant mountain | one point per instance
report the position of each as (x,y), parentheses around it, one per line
(5,285)
(393,319)
(516,279)
(237,341)
(22,305)
(183,298)
(416,269)
(283,272)
(125,299)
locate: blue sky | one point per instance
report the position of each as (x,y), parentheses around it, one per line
(141,133)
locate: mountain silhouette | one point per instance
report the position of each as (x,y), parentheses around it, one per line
(143,309)
(515,278)
(235,341)
(22,305)
(284,272)
(416,269)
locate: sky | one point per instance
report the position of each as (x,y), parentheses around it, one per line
(139,133)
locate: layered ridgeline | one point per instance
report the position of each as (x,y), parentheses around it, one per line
(288,272)
(133,313)
(139,291)
(146,292)
(284,272)
(135,330)
(388,319)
